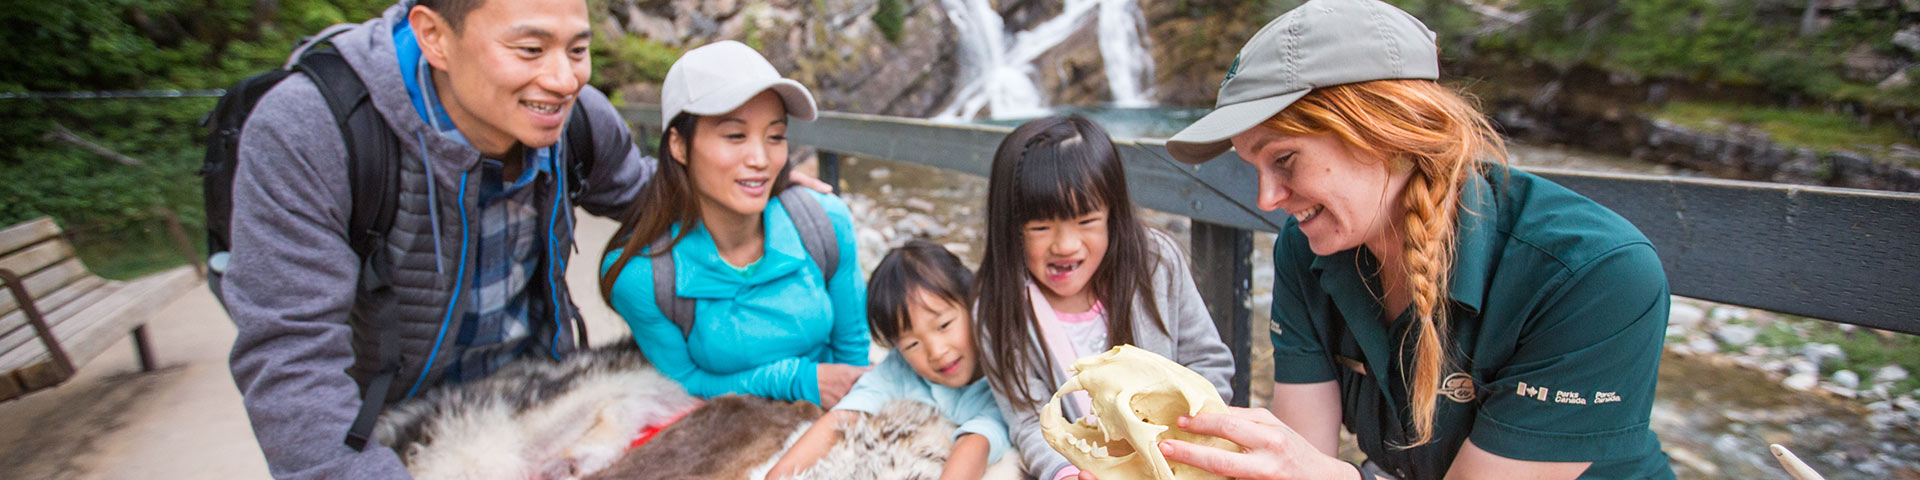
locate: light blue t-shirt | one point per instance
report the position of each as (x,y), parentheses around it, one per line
(970,407)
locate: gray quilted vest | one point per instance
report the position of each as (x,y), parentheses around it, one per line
(415,290)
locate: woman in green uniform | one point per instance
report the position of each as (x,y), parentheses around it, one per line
(1461,318)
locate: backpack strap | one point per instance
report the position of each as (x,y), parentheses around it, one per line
(373,171)
(580,153)
(373,151)
(816,230)
(816,236)
(677,308)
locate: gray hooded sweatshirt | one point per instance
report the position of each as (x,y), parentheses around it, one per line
(307,342)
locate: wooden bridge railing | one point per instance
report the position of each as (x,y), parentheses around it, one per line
(1841,255)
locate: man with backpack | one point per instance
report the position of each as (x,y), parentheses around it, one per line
(393,211)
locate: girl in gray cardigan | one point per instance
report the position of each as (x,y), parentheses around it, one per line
(1069,271)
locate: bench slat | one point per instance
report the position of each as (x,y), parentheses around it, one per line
(51,303)
(105,322)
(32,259)
(45,281)
(34,231)
(19,334)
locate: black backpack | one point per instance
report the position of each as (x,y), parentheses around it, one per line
(373,170)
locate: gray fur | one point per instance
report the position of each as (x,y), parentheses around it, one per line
(906,440)
(535,418)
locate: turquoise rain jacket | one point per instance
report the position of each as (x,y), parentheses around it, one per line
(759,332)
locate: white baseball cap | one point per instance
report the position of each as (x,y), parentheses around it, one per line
(719,77)
(1320,43)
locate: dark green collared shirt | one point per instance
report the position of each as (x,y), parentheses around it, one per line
(1557,313)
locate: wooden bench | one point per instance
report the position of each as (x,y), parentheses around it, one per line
(74,314)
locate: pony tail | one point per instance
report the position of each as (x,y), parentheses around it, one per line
(1427,255)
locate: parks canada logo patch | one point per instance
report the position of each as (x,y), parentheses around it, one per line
(1231,71)
(1457,387)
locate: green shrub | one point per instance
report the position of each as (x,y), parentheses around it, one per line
(1818,130)
(890,18)
(630,59)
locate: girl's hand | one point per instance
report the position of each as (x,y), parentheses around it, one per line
(1271,449)
(779,471)
(835,380)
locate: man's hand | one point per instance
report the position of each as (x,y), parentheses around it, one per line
(805,180)
(835,380)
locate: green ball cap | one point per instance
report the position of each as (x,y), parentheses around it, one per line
(1321,43)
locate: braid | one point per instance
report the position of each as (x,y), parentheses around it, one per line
(1426,257)
(1439,135)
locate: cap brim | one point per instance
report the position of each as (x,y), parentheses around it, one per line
(1212,134)
(798,100)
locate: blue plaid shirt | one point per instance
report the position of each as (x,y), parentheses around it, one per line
(495,328)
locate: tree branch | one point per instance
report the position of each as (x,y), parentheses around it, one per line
(61,133)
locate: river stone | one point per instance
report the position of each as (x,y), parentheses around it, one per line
(1703,345)
(919,204)
(1911,406)
(1685,315)
(1801,366)
(1883,421)
(1824,354)
(1908,39)
(1735,335)
(1846,378)
(1840,391)
(1724,314)
(1890,374)
(1802,381)
(1880,406)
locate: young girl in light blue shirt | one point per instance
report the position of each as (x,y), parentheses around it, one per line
(917,303)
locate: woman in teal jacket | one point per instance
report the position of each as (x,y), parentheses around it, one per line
(767,321)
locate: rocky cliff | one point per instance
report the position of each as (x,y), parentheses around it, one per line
(835,47)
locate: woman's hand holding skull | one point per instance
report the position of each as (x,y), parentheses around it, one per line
(1271,450)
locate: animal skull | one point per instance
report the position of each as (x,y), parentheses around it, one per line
(1136,397)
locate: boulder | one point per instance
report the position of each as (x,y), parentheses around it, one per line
(1847,379)
(1073,72)
(1824,355)
(1735,335)
(1684,315)
(1908,39)
(1889,374)
(1802,381)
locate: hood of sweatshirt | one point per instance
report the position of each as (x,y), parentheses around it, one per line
(370,50)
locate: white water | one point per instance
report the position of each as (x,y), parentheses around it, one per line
(998,67)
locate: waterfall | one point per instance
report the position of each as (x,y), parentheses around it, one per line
(998,66)
(1128,63)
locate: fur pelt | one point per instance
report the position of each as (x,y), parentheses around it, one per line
(732,437)
(534,418)
(906,440)
(545,419)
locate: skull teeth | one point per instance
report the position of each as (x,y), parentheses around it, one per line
(1088,447)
